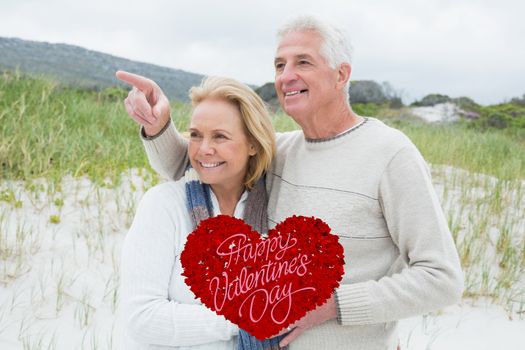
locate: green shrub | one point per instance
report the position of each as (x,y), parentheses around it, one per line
(431,100)
(502,116)
(366,109)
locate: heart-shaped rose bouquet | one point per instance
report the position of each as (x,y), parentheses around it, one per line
(262,284)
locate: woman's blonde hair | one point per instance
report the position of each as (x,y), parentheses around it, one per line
(255,119)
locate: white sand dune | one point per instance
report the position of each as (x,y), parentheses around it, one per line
(442,112)
(60,250)
(482,326)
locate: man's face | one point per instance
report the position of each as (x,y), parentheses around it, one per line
(304,82)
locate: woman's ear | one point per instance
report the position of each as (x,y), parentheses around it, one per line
(252,150)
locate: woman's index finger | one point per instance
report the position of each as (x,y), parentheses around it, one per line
(142,83)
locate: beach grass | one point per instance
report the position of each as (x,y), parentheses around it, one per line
(49,131)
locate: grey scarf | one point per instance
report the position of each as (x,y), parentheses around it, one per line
(255,215)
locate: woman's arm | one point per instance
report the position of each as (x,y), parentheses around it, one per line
(148,258)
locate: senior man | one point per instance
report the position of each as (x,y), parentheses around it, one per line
(365,179)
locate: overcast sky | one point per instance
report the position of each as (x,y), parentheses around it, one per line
(472,48)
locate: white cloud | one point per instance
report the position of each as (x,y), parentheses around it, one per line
(461,47)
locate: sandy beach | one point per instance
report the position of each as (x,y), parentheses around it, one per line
(60,250)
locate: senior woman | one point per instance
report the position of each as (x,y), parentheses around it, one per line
(230,148)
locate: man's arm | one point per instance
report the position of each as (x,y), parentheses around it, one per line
(149,107)
(149,255)
(432,277)
(167,152)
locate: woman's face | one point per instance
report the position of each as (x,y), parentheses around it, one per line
(219,149)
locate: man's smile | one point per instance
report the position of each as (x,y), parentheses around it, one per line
(294,92)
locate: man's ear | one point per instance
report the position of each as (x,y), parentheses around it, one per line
(343,74)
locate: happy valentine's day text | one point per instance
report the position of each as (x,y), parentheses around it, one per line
(239,250)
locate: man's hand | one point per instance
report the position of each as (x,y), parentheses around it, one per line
(146,103)
(323,313)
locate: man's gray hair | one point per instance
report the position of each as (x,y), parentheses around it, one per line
(335,47)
